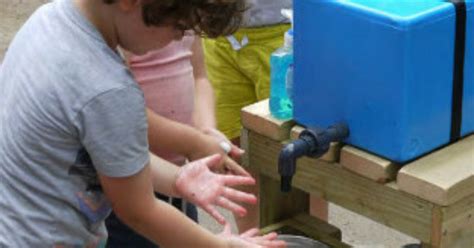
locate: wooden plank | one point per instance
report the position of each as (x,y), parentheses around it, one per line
(295,132)
(334,149)
(244,144)
(368,165)
(278,227)
(443,177)
(276,206)
(436,228)
(318,230)
(318,207)
(318,225)
(380,203)
(458,224)
(257,117)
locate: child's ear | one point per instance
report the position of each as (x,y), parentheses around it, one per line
(127,5)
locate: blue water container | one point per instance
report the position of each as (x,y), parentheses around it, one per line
(384,67)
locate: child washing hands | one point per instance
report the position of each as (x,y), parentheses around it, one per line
(73,136)
(181,123)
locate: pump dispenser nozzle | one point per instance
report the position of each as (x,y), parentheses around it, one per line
(288,13)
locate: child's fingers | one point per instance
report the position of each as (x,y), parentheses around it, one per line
(269,240)
(270,236)
(250,233)
(271,243)
(215,214)
(212,161)
(230,205)
(236,153)
(231,180)
(235,168)
(239,196)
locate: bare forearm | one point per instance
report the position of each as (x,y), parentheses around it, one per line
(204,113)
(168,135)
(204,94)
(163,174)
(134,203)
(161,222)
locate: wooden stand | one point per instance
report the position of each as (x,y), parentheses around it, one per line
(431,199)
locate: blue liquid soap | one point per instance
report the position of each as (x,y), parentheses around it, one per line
(281,79)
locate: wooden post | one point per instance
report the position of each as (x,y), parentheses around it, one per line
(276,206)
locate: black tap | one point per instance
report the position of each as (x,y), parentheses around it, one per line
(312,142)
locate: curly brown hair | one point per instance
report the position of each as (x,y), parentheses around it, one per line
(210,18)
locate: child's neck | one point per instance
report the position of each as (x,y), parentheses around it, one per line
(101,16)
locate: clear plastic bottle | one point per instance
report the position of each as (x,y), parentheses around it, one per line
(289,82)
(281,79)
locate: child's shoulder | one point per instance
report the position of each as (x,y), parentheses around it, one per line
(59,41)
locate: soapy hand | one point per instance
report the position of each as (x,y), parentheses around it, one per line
(197,184)
(251,238)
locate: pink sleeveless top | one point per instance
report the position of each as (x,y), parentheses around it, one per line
(166,78)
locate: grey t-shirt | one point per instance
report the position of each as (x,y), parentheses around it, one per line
(69,108)
(265,12)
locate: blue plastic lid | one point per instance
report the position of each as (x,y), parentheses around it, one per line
(402,8)
(401,13)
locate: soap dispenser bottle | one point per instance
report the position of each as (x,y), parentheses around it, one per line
(281,76)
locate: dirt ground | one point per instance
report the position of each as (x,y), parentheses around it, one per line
(357,230)
(13,14)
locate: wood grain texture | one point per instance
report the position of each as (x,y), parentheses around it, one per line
(368,165)
(381,203)
(257,117)
(443,177)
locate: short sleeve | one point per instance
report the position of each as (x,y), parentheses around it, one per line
(113,129)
